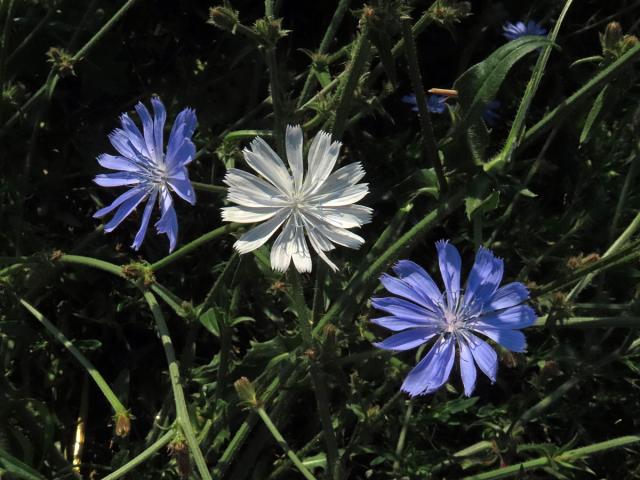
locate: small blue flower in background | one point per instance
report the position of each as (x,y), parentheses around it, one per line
(151,174)
(453,318)
(490,116)
(512,31)
(435,103)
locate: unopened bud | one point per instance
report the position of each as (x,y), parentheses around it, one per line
(123,424)
(627,43)
(246,392)
(611,36)
(61,60)
(179,450)
(224,18)
(270,31)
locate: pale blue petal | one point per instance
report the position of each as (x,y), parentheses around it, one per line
(407,340)
(159,118)
(450,264)
(485,356)
(403,289)
(134,137)
(147,132)
(520,316)
(187,120)
(114,162)
(513,340)
(417,278)
(484,278)
(125,210)
(397,324)
(168,223)
(118,201)
(120,141)
(433,370)
(467,367)
(137,242)
(117,179)
(182,156)
(183,188)
(402,308)
(508,296)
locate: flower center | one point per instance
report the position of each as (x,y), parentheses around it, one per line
(453,321)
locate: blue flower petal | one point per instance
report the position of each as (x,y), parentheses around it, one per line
(402,308)
(117,202)
(407,340)
(513,340)
(142,231)
(159,118)
(433,370)
(520,316)
(184,189)
(417,278)
(508,296)
(397,324)
(114,162)
(125,209)
(450,264)
(187,120)
(168,223)
(117,179)
(484,356)
(120,141)
(485,277)
(181,156)
(403,289)
(467,368)
(437,103)
(133,137)
(147,132)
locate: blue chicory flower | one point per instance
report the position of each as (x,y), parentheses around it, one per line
(490,116)
(454,317)
(151,173)
(512,31)
(435,103)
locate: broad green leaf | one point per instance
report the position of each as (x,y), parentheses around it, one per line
(479,206)
(211,321)
(480,84)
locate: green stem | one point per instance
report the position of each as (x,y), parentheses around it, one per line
(206,187)
(403,435)
(276,98)
(615,246)
(111,397)
(25,41)
(568,456)
(624,193)
(182,413)
(283,444)
(590,88)
(328,37)
(79,55)
(319,385)
(6,31)
(189,247)
(515,133)
(626,255)
(592,322)
(145,455)
(352,73)
(93,263)
(428,138)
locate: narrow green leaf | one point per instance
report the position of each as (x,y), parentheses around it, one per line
(18,469)
(479,206)
(593,115)
(480,84)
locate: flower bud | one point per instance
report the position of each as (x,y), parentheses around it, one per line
(246,392)
(611,36)
(224,18)
(123,424)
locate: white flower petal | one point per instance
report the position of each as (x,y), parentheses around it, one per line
(339,198)
(334,234)
(256,237)
(267,163)
(322,159)
(300,254)
(281,250)
(248,190)
(248,214)
(321,244)
(344,217)
(343,177)
(294,154)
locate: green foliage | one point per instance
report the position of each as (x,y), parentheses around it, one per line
(109,356)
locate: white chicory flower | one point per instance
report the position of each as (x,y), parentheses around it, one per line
(320,203)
